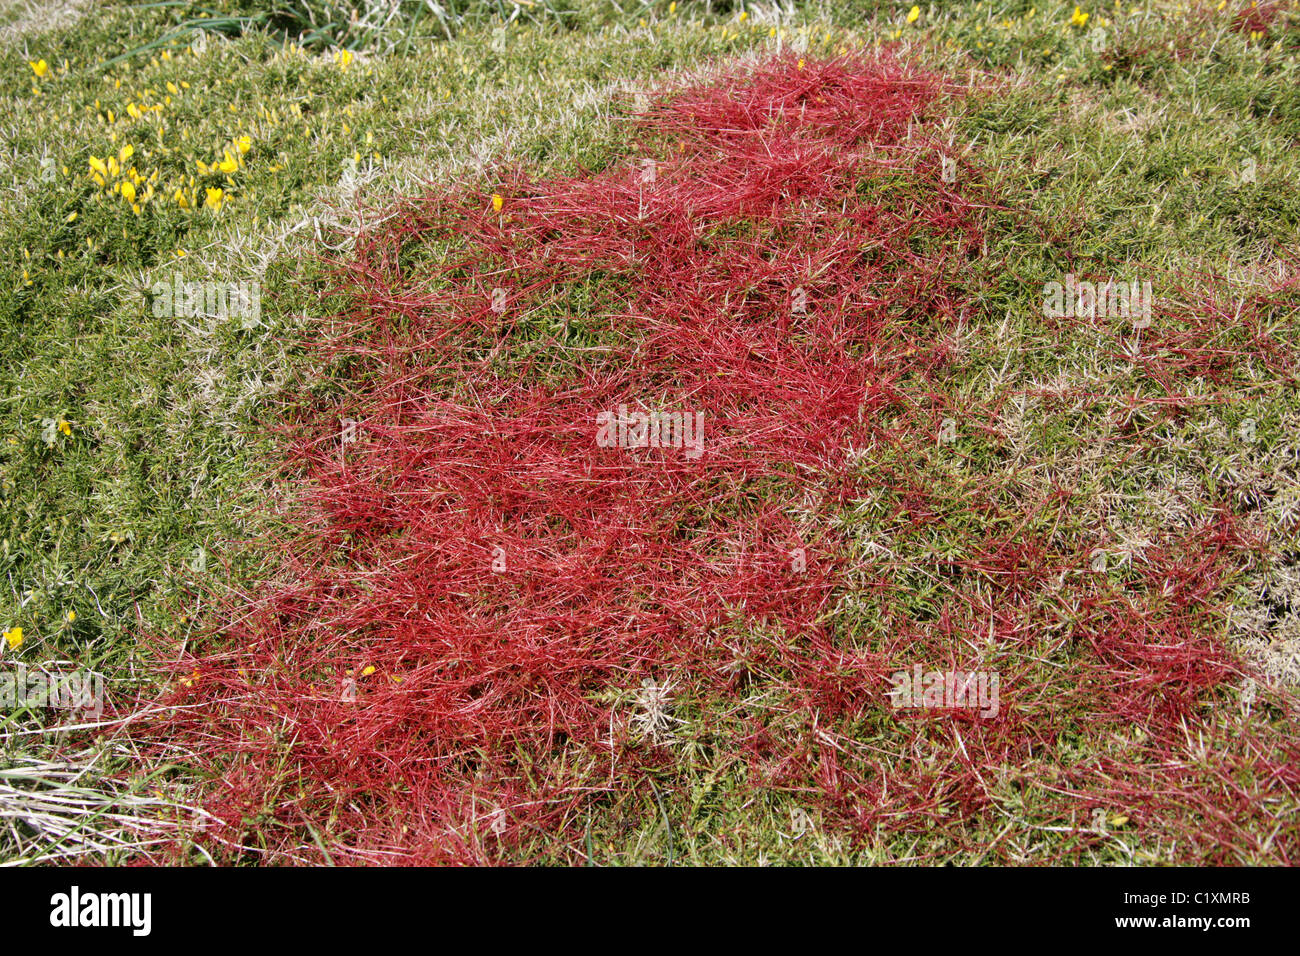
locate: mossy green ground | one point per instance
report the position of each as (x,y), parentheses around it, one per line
(1167,144)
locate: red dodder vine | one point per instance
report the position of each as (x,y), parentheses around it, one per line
(576,508)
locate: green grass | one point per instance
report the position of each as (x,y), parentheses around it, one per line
(1133,148)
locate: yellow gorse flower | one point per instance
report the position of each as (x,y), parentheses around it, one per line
(215,196)
(14,638)
(497,202)
(1078,18)
(39,67)
(228,163)
(244,144)
(128,191)
(65,426)
(913,15)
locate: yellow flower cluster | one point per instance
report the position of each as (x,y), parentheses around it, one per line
(143,109)
(231,161)
(188,191)
(117,176)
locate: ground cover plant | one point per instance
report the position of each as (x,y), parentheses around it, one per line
(382,569)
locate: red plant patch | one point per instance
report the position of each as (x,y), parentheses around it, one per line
(579,499)
(1256,16)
